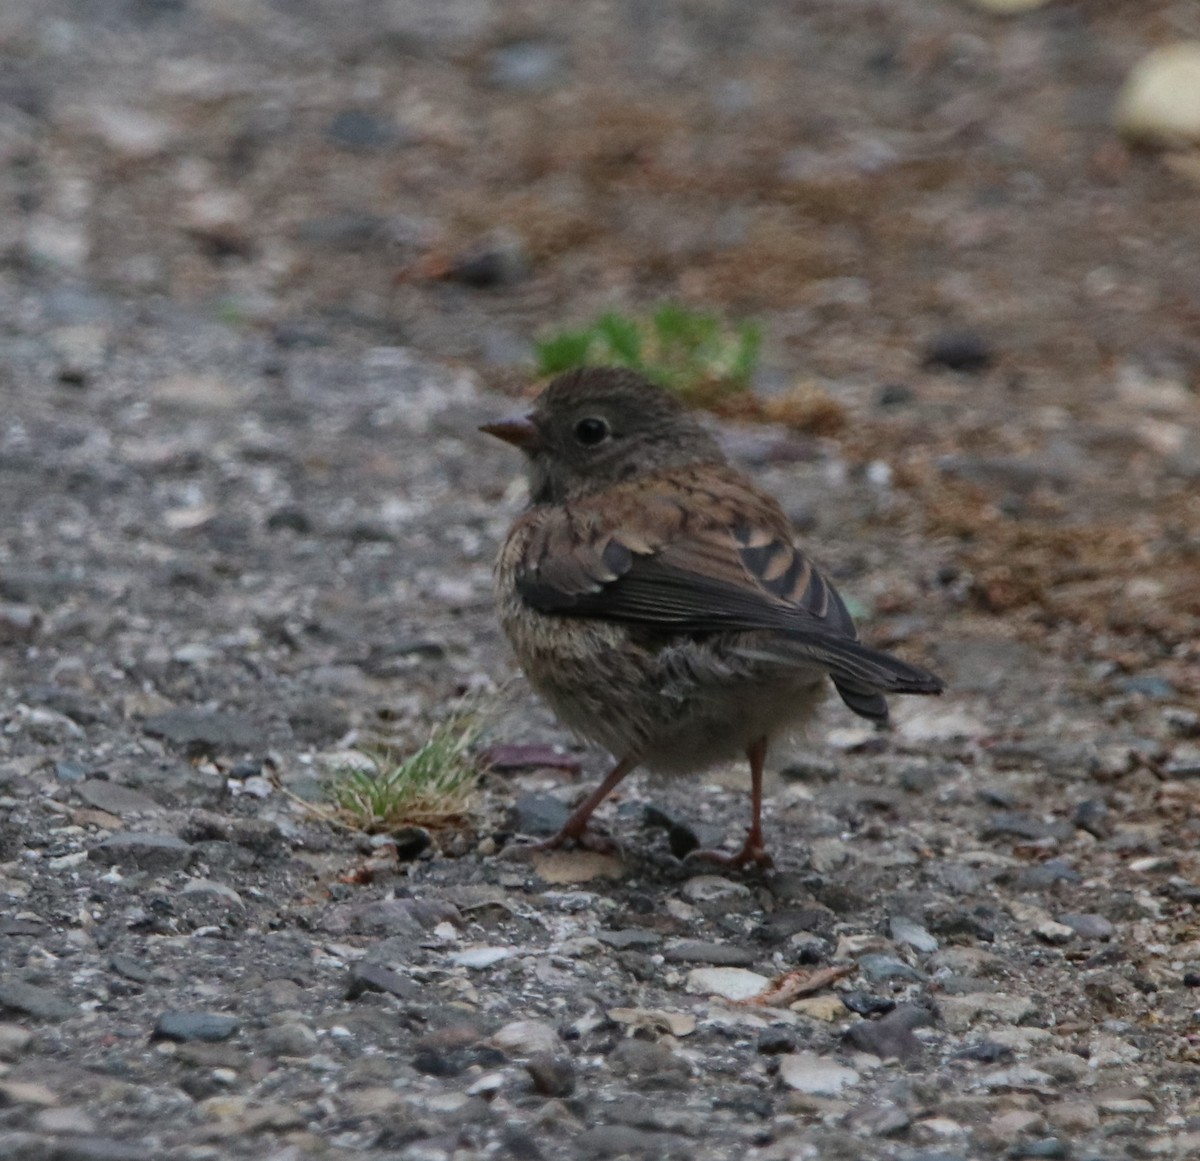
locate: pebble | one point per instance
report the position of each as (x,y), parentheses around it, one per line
(183,1027)
(1159,103)
(891,1036)
(291,1038)
(148,852)
(909,932)
(362,131)
(1088,925)
(825,1008)
(730,983)
(538,814)
(962,351)
(816,1075)
(366,976)
(879,968)
(478,958)
(705,951)
(711,888)
(73,1121)
(14,1040)
(204,732)
(527,1038)
(123,801)
(1073,1116)
(552,1074)
(527,66)
(34,1001)
(961,1012)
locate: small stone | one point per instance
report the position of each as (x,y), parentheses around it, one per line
(527,1038)
(1017,1123)
(202,733)
(148,852)
(912,933)
(70,1122)
(962,351)
(115,798)
(703,951)
(538,815)
(650,1062)
(730,983)
(711,888)
(362,131)
(479,958)
(1073,1116)
(1128,1105)
(879,968)
(552,1074)
(1048,1147)
(1088,925)
(26,1092)
(773,1041)
(1055,933)
(892,1036)
(527,66)
(630,938)
(960,1012)
(290,1039)
(366,976)
(816,1075)
(18,996)
(825,1008)
(14,1040)
(183,1027)
(1160,102)
(82,352)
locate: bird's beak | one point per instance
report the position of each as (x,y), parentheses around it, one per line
(519,430)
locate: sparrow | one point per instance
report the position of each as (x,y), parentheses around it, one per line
(658,600)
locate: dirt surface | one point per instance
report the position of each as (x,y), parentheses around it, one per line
(264,268)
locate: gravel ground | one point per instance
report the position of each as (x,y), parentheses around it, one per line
(265,268)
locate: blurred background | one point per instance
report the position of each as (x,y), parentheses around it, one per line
(969,246)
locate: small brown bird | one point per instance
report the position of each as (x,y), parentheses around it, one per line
(657,599)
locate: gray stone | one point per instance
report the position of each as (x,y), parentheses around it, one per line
(706,951)
(552,1074)
(880,968)
(816,1075)
(115,798)
(19,996)
(912,933)
(1088,925)
(362,131)
(186,1026)
(366,976)
(148,852)
(892,1036)
(629,938)
(527,66)
(205,731)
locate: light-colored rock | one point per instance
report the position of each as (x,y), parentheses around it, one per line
(912,933)
(481,957)
(815,1075)
(526,1038)
(1073,1116)
(827,1008)
(961,1012)
(654,1020)
(1159,104)
(561,867)
(708,888)
(729,983)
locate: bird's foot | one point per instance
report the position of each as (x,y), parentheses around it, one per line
(752,853)
(584,840)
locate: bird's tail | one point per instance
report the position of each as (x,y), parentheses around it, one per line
(861,675)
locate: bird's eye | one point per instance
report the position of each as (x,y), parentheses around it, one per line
(591,431)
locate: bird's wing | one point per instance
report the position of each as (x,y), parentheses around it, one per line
(694,552)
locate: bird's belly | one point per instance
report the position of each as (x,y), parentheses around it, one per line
(679,706)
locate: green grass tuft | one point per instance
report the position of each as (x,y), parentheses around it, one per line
(686,351)
(432,787)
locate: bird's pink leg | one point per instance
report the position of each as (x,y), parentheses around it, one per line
(575,826)
(753,850)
